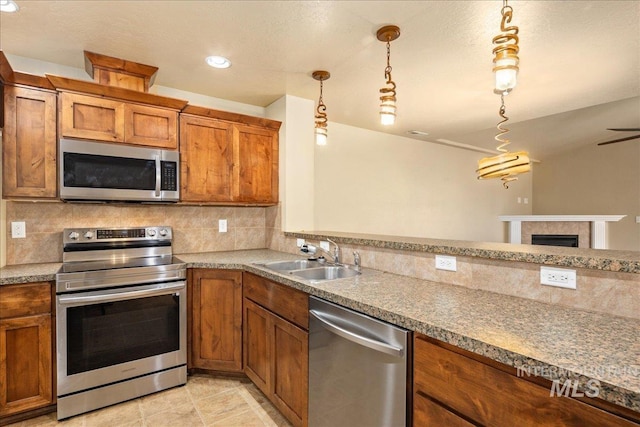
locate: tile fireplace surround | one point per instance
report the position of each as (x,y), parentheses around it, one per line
(591,229)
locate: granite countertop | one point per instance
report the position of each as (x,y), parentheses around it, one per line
(597,259)
(553,341)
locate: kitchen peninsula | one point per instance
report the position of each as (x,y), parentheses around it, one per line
(558,342)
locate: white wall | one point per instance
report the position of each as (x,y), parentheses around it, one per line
(296,161)
(594,180)
(373,182)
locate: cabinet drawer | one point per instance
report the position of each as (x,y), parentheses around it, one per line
(491,396)
(25,300)
(286,302)
(426,412)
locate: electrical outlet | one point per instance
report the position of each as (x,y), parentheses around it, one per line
(299,242)
(445,262)
(325,245)
(560,277)
(18,230)
(222,225)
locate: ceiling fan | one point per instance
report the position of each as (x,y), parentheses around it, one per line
(627,138)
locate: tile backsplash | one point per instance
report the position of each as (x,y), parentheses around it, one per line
(195,227)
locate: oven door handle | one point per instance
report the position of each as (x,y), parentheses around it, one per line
(120,296)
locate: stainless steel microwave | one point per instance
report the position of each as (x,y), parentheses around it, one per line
(112,172)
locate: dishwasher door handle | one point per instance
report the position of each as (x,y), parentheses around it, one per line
(380,346)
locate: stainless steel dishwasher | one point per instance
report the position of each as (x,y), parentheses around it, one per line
(357,369)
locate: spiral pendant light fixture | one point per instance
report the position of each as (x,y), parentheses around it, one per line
(506,53)
(321,115)
(506,165)
(388,99)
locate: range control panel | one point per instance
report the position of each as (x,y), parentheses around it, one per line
(86,235)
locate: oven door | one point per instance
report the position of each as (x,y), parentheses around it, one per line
(112,335)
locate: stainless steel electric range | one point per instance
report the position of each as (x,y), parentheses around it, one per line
(121,300)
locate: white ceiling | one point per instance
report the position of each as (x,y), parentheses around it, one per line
(579,60)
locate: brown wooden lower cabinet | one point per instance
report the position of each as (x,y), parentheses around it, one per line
(426,412)
(276,350)
(216,319)
(456,387)
(26,366)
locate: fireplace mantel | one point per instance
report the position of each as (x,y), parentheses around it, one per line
(598,225)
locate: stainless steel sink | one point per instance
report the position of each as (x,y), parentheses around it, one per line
(329,272)
(297,264)
(311,270)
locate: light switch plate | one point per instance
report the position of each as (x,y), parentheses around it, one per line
(18,230)
(325,245)
(299,242)
(222,225)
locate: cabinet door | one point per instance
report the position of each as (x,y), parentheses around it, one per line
(89,117)
(257,365)
(150,126)
(290,370)
(29,143)
(256,161)
(206,160)
(25,364)
(217,320)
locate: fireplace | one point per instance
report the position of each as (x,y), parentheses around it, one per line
(591,229)
(568,240)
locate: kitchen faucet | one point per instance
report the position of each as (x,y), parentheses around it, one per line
(312,249)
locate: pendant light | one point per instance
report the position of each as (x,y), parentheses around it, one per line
(388,99)
(506,165)
(506,52)
(321,115)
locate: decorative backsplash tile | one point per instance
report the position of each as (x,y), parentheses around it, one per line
(195,227)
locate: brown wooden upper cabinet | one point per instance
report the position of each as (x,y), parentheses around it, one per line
(102,119)
(228,158)
(29,143)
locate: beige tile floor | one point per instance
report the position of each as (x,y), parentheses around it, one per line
(204,401)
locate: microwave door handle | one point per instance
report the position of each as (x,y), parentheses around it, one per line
(158,177)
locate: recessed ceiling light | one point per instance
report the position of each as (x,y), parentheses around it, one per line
(218,62)
(8,6)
